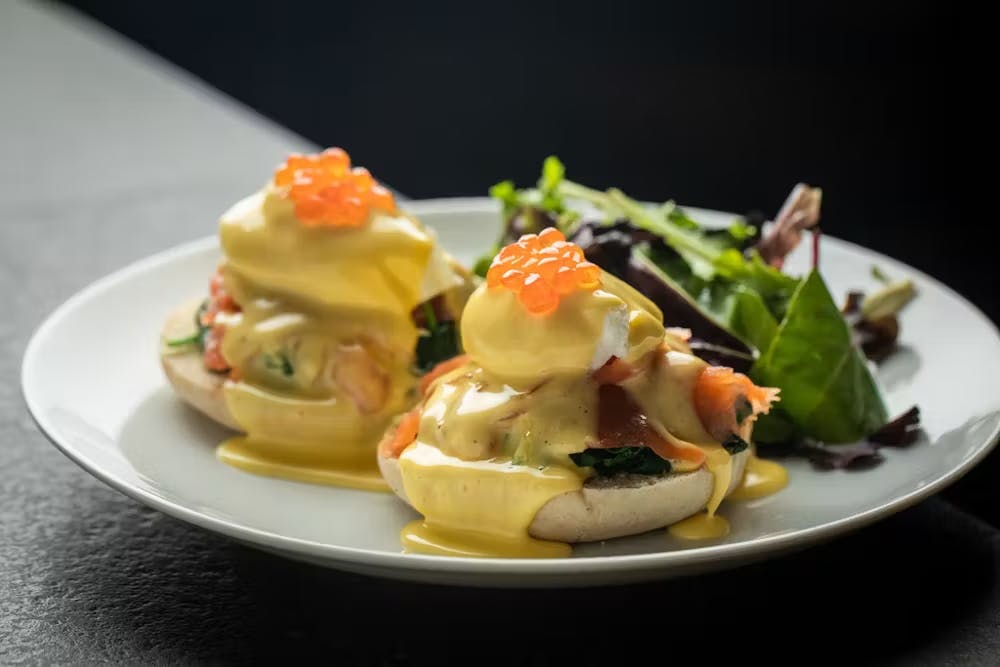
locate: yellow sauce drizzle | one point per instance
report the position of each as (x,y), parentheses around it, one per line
(314,465)
(701,526)
(708,525)
(762,478)
(479,508)
(420,537)
(720,463)
(321,441)
(511,343)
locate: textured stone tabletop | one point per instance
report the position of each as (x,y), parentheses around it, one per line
(109,155)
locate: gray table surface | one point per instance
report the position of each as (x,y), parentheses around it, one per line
(109,155)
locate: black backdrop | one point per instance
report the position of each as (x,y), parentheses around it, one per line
(717,104)
(724,105)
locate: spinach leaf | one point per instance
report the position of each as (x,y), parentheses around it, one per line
(439,343)
(826,389)
(634,460)
(734,444)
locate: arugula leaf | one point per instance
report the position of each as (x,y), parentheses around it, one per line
(826,389)
(689,244)
(615,460)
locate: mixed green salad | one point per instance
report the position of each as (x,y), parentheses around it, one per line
(727,286)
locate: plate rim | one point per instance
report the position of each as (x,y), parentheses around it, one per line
(334,554)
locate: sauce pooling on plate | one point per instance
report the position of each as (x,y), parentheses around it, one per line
(325,274)
(761,478)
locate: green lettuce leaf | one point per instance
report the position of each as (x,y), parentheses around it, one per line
(742,310)
(826,389)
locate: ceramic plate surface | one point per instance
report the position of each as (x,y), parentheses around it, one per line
(111,411)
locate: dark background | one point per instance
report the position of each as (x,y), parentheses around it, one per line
(723,105)
(718,104)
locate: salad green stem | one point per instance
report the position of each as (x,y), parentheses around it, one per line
(432,323)
(682,240)
(183,342)
(577,191)
(614,201)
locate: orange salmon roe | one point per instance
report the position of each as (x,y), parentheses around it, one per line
(542,268)
(328,191)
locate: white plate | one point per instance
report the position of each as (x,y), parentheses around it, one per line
(92,380)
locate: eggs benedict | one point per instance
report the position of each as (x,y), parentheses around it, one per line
(329,303)
(574,416)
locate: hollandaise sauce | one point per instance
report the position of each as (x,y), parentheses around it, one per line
(489,454)
(761,479)
(709,525)
(479,508)
(701,526)
(322,345)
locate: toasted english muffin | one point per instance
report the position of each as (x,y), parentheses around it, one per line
(609,507)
